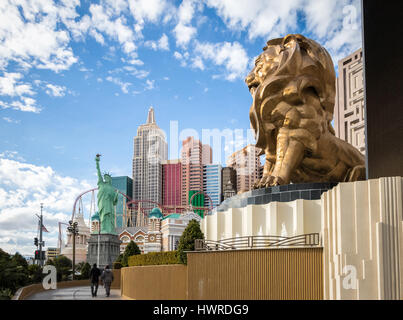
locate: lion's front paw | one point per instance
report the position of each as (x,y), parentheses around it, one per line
(269,181)
(277,181)
(261,183)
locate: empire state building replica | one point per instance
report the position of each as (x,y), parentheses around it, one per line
(150,149)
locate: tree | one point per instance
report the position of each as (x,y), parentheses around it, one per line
(80,265)
(63,266)
(119,258)
(35,273)
(20,260)
(187,240)
(13,274)
(85,271)
(131,250)
(118,262)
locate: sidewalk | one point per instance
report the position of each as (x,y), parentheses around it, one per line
(76,293)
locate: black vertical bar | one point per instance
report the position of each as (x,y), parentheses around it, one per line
(383,78)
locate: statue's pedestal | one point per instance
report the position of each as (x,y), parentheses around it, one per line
(109,249)
(287,193)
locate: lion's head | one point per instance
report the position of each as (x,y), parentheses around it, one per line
(292,59)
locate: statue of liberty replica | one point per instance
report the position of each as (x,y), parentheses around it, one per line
(104,246)
(107,199)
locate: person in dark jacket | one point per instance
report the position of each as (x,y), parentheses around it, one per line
(94,277)
(107,278)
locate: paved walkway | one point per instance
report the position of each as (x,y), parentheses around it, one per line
(75,293)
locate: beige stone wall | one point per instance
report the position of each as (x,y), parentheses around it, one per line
(275,219)
(363,234)
(361,231)
(162,282)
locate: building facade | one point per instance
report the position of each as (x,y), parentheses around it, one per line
(194,156)
(228,175)
(172,227)
(135,234)
(153,238)
(81,241)
(172,185)
(229,190)
(246,163)
(52,253)
(150,149)
(349,112)
(212,183)
(125,185)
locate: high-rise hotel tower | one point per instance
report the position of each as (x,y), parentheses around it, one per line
(194,156)
(150,149)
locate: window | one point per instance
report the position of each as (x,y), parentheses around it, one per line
(125,239)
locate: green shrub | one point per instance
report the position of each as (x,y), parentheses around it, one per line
(153,258)
(6,294)
(131,250)
(187,240)
(117,265)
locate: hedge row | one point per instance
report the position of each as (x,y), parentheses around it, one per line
(153,258)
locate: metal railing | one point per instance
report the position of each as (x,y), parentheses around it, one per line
(258,242)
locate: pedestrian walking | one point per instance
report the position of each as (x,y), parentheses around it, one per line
(94,277)
(107,278)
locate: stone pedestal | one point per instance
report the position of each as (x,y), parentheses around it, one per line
(287,193)
(109,249)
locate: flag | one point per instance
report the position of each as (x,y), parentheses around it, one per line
(43,227)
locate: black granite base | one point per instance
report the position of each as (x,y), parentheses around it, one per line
(291,192)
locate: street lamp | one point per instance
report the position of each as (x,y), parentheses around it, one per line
(73,229)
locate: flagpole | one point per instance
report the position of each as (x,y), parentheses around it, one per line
(40,238)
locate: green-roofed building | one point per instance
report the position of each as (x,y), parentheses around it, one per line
(155,213)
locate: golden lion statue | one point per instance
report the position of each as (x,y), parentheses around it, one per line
(293,90)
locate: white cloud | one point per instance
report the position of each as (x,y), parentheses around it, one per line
(55,90)
(161,44)
(325,20)
(178,55)
(230,55)
(34,39)
(261,18)
(108,21)
(139,74)
(10,86)
(184,34)
(123,85)
(149,84)
(23,187)
(198,63)
(11,155)
(181,57)
(9,120)
(26,104)
(150,10)
(184,31)
(133,61)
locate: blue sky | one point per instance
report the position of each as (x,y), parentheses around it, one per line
(77,78)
